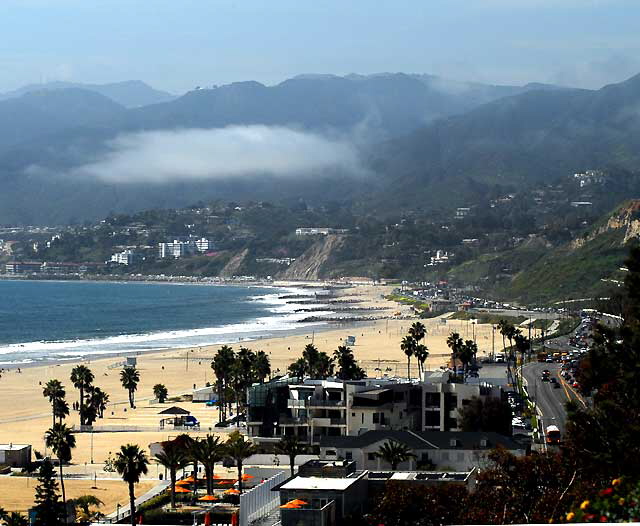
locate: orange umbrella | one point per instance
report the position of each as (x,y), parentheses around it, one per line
(298,502)
(247,477)
(188,479)
(232,491)
(183,482)
(180,489)
(289,505)
(208,498)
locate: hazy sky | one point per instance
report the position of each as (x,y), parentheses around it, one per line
(179,44)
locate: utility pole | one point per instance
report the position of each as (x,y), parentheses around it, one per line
(493,342)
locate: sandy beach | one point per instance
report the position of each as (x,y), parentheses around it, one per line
(25,414)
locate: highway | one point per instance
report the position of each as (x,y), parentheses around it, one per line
(550,400)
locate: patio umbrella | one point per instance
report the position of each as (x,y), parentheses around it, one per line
(290,506)
(247,477)
(180,489)
(232,491)
(298,502)
(208,498)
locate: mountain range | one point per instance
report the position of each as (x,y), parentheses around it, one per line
(130,93)
(449,142)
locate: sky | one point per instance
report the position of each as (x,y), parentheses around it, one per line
(177,45)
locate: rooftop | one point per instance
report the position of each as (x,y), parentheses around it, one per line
(322,483)
(11,447)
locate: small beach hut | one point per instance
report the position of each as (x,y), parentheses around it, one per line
(175,415)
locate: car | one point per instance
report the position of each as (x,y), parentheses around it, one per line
(575,385)
(553,380)
(544,378)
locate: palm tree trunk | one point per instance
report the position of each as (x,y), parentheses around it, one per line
(132,504)
(408,367)
(173,487)
(64,494)
(208,472)
(81,406)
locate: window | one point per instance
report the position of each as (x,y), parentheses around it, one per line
(348,455)
(432,418)
(376,418)
(353,414)
(371,456)
(432,399)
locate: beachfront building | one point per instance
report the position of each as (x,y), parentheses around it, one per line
(453,450)
(175,249)
(23,267)
(15,455)
(126,257)
(330,493)
(442,401)
(203,245)
(311,409)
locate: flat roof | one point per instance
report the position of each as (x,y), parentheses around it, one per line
(326,483)
(10,447)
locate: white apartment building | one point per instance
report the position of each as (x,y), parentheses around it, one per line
(126,257)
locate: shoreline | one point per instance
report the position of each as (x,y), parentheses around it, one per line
(286,291)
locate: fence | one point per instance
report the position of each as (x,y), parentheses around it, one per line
(259,501)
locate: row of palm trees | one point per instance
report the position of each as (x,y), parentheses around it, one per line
(411,346)
(464,351)
(235,372)
(518,342)
(318,364)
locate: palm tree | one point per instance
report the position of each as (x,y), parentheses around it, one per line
(54,391)
(467,353)
(324,365)
(348,368)
(129,378)
(417,331)
(408,346)
(61,441)
(310,355)
(160,392)
(292,447)
(455,343)
(99,400)
(422,353)
(394,453)
(81,377)
(261,366)
(298,368)
(15,519)
(221,365)
(84,503)
(173,457)
(239,449)
(130,463)
(209,452)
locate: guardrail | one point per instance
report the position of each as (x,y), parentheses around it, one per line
(260,500)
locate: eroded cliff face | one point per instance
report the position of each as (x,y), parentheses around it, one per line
(626,218)
(233,267)
(311,264)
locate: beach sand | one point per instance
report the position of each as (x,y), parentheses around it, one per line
(25,414)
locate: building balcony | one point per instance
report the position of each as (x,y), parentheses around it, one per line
(288,421)
(328,422)
(325,403)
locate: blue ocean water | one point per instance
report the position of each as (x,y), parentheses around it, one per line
(44,320)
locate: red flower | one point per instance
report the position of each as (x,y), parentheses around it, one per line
(589,517)
(603,519)
(606,492)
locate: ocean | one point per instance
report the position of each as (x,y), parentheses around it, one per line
(58,320)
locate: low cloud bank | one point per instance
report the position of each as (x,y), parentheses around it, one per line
(235,151)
